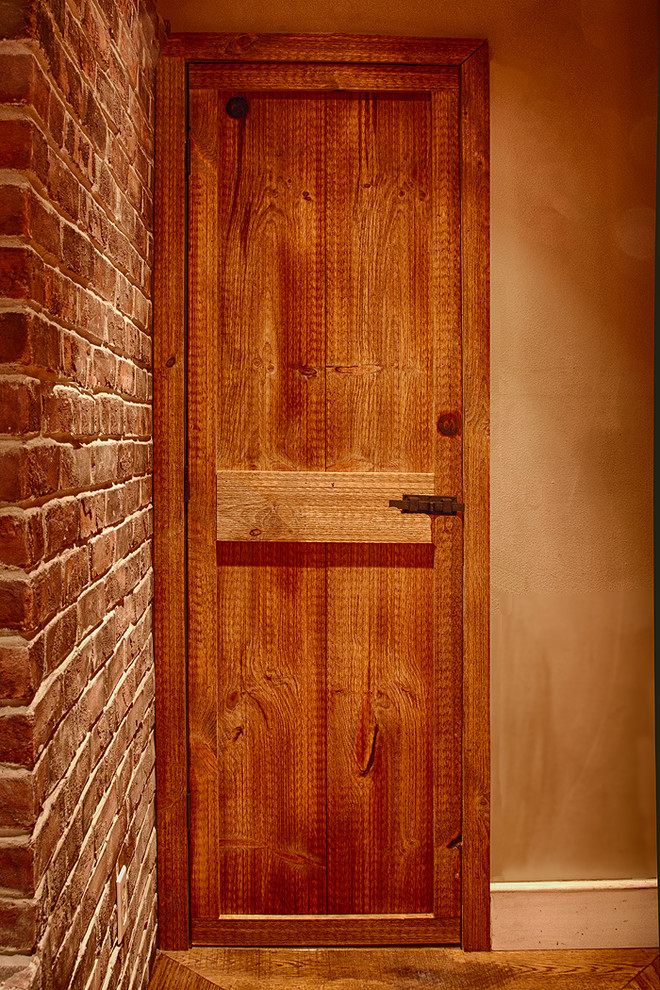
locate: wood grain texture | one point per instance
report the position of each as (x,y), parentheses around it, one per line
(476,438)
(447,331)
(647,979)
(267,77)
(271,724)
(320,506)
(379,384)
(380,708)
(203,330)
(370,49)
(373,255)
(410,967)
(328,930)
(271,208)
(168,973)
(169,510)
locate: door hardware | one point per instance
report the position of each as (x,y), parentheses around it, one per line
(433,505)
(237,107)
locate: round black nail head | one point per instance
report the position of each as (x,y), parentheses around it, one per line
(237,107)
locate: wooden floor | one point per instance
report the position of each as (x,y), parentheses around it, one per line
(408,969)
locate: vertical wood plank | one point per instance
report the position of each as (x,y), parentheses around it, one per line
(379,418)
(476,683)
(271,675)
(204,251)
(447,532)
(380,708)
(379,385)
(169,511)
(271,340)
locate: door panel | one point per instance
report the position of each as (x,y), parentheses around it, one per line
(270,326)
(324,685)
(379,366)
(380,708)
(271,727)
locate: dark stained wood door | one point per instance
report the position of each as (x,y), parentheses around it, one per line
(324,359)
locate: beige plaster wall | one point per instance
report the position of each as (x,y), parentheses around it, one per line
(573,104)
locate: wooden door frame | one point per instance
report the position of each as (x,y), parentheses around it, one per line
(470,60)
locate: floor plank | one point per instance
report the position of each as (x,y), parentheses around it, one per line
(647,979)
(406,969)
(168,974)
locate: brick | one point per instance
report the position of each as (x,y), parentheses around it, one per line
(28,471)
(76,467)
(93,311)
(95,124)
(104,368)
(62,523)
(16,19)
(60,295)
(27,339)
(104,462)
(48,712)
(21,537)
(91,609)
(26,601)
(20,406)
(92,514)
(126,460)
(13,209)
(102,554)
(113,416)
(77,42)
(18,925)
(75,574)
(21,274)
(115,506)
(60,635)
(21,668)
(56,118)
(59,412)
(77,252)
(18,809)
(17,738)
(141,310)
(76,358)
(78,673)
(23,213)
(17,143)
(44,227)
(123,293)
(62,185)
(127,375)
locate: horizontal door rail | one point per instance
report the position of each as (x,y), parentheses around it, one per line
(319,507)
(324,77)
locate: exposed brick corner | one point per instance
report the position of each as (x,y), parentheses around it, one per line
(77,788)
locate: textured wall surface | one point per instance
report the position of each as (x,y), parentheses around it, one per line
(76,654)
(573,114)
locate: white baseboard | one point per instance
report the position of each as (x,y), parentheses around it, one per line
(575,914)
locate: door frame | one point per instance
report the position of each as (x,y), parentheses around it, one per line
(469,58)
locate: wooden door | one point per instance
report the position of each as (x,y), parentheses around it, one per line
(322,764)
(324,624)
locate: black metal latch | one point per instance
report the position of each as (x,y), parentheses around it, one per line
(434,505)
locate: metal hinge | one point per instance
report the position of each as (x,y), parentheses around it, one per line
(433,505)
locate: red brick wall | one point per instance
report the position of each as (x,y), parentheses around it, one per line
(76,652)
